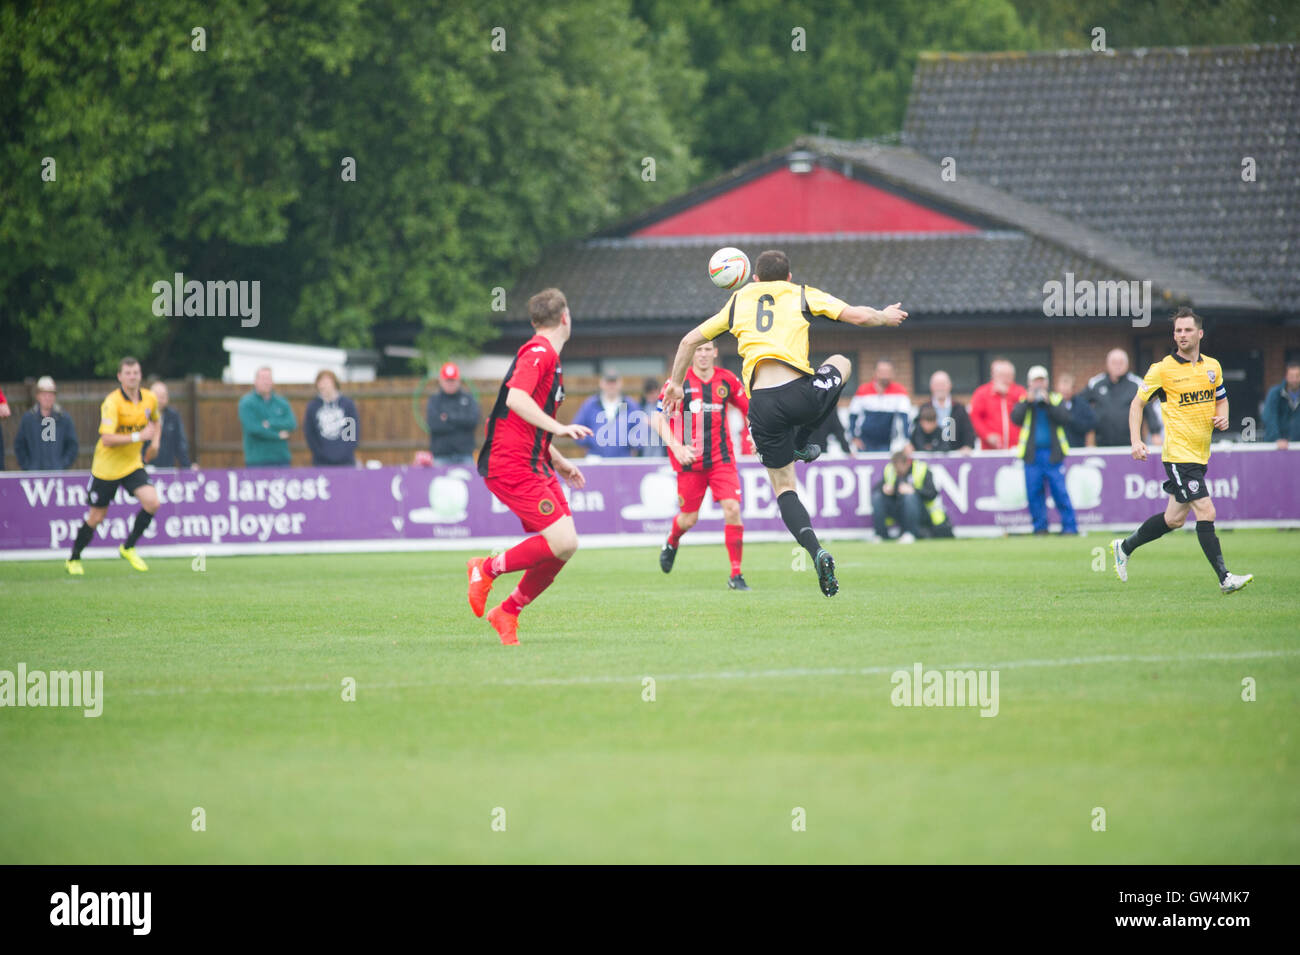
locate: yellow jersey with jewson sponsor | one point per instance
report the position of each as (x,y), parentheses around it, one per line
(120,415)
(770,320)
(1188,392)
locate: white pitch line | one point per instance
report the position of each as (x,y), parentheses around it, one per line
(872,671)
(725,674)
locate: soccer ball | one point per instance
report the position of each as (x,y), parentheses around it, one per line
(729,268)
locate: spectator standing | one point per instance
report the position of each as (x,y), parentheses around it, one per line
(452,414)
(267,421)
(954,424)
(1081,431)
(1110,393)
(1042,418)
(1282,408)
(331,425)
(880,411)
(611,416)
(906,495)
(4,413)
(174,452)
(650,388)
(47,439)
(991,404)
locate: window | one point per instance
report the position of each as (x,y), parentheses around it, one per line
(634,369)
(970,369)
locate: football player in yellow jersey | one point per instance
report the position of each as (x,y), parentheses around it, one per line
(1195,402)
(128,423)
(788,399)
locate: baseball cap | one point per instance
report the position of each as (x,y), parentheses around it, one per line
(45,383)
(1038,371)
(450,370)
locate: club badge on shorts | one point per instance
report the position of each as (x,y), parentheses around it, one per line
(546,507)
(1193,486)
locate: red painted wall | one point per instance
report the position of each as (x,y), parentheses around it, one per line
(820,201)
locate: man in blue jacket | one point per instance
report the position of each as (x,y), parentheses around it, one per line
(1282,408)
(617,422)
(1042,419)
(47,439)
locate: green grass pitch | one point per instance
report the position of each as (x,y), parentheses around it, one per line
(223,690)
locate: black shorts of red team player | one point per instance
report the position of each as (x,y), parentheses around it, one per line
(1186,482)
(775,413)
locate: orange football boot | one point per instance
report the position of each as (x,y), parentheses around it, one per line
(480,585)
(505,624)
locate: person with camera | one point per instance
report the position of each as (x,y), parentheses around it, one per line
(1042,418)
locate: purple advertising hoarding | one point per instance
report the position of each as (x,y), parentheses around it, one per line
(627,502)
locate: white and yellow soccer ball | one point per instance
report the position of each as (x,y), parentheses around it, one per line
(729,268)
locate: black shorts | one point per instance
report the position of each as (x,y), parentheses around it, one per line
(102,492)
(775,413)
(1186,482)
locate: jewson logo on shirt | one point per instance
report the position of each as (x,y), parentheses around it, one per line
(83,688)
(75,907)
(1108,299)
(195,299)
(922,687)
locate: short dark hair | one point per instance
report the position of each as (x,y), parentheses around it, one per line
(899,456)
(772,266)
(1293,363)
(546,308)
(928,413)
(1186,312)
(127,360)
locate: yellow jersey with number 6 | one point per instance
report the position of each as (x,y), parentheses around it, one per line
(770,321)
(120,415)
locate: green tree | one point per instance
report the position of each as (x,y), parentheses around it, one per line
(226,163)
(850,78)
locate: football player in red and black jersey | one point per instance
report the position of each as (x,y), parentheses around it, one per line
(520,467)
(699,446)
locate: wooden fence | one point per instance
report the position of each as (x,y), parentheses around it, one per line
(391,412)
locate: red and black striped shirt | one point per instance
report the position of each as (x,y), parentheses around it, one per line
(702,421)
(514,448)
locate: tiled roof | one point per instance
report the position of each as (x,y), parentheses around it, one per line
(666,279)
(1142,146)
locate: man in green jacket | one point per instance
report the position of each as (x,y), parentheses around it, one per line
(267,421)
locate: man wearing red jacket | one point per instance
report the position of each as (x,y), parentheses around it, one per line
(699,446)
(991,404)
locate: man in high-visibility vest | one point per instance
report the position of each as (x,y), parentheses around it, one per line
(906,496)
(1042,417)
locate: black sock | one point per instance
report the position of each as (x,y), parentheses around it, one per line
(84,533)
(797,520)
(1152,528)
(1210,544)
(142,521)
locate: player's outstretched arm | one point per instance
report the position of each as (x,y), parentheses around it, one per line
(673,389)
(868,317)
(522,404)
(1139,450)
